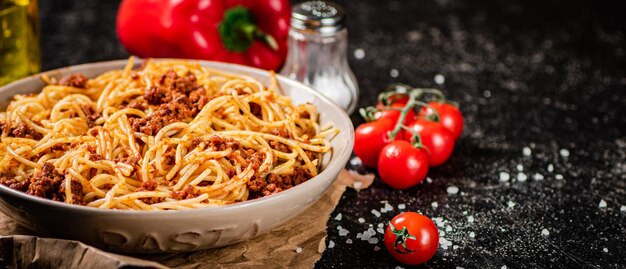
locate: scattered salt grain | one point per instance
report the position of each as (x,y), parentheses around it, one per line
(399,267)
(558,177)
(519,167)
(359,54)
(339,227)
(343,232)
(487,94)
(459,267)
(331,244)
(503,267)
(380,230)
(361,220)
(564,153)
(521,177)
(472,234)
(355,161)
(373,240)
(602,204)
(375,212)
(386,208)
(511,204)
(455,247)
(550,168)
(429,180)
(622,208)
(434,204)
(401,206)
(448,228)
(338,217)
(605,250)
(349,241)
(359,235)
(445,243)
(440,79)
(504,176)
(526,151)
(368,234)
(298,249)
(380,225)
(394,73)
(357,184)
(438,221)
(376,248)
(538,176)
(545,232)
(452,190)
(470,219)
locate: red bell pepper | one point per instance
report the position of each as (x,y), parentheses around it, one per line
(249,32)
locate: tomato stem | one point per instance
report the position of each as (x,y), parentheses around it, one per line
(401,237)
(388,97)
(416,139)
(433,115)
(368,113)
(413,95)
(440,96)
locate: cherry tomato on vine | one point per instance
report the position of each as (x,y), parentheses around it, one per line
(411,238)
(401,165)
(435,137)
(397,103)
(449,116)
(370,138)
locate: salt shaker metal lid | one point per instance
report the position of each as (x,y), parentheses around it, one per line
(320,16)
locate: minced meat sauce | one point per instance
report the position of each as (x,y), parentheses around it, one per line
(47,183)
(178,98)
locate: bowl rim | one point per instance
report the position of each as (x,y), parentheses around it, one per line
(343,154)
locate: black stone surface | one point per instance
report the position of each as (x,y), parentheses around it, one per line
(546,75)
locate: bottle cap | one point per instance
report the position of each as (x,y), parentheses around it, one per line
(322,16)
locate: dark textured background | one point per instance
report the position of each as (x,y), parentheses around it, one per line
(547,75)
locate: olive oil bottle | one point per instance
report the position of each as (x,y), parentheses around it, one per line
(19,39)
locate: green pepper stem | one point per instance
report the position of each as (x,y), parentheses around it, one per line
(238,30)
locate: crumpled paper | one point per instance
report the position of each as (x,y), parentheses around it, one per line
(297,244)
(26,251)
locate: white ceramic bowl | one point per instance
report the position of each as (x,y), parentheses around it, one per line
(184,230)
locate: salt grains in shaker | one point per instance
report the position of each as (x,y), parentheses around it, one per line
(318,43)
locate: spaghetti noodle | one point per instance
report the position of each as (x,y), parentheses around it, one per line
(168,135)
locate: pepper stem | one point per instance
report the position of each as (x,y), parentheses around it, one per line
(238,30)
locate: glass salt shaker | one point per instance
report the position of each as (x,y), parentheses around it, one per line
(318,44)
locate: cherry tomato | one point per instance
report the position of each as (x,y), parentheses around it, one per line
(401,165)
(435,137)
(397,102)
(370,138)
(411,238)
(449,116)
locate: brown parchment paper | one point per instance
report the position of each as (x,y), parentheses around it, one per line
(297,244)
(26,251)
